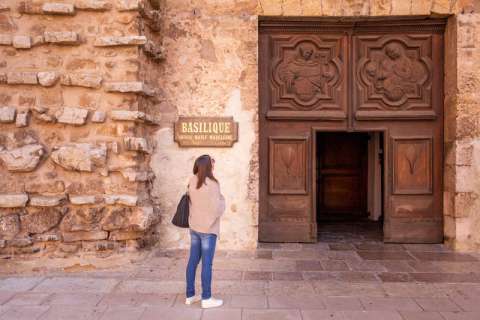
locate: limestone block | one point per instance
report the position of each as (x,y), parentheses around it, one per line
(61,37)
(7,114)
(41,220)
(83,219)
(132,219)
(30,7)
(120,235)
(441,6)
(47,78)
(25,77)
(133,175)
(22,42)
(20,242)
(44,117)
(84,236)
(13,200)
(9,226)
(82,199)
(5,40)
(137,144)
(132,86)
(46,201)
(75,116)
(120,41)
(421,7)
(69,247)
(271,7)
(127,5)
(58,8)
(94,5)
(46,237)
(127,115)
(23,159)
(37,40)
(123,199)
(102,245)
(80,156)
(99,116)
(88,80)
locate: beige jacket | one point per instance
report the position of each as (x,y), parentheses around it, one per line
(206,207)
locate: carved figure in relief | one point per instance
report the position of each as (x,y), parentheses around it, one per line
(307,73)
(393,73)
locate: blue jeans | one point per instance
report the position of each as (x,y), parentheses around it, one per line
(202,247)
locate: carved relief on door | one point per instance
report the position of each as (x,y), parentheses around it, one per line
(288,165)
(307,74)
(412,165)
(394,76)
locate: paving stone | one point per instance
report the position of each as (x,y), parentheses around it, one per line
(319,275)
(138,299)
(356,276)
(228,275)
(5,296)
(257,275)
(395,277)
(28,298)
(236,287)
(63,284)
(264,254)
(77,298)
(342,303)
(289,276)
(308,265)
(296,302)
(334,265)
(277,314)
(18,284)
(152,313)
(149,286)
(296,254)
(396,266)
(123,313)
(371,315)
(24,312)
(369,265)
(248,301)
(384,255)
(289,288)
(420,247)
(72,313)
(460,315)
(338,288)
(443,256)
(379,247)
(392,304)
(322,315)
(467,303)
(415,315)
(446,277)
(222,314)
(437,304)
(341,247)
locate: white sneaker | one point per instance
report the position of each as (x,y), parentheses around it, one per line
(192,300)
(211,303)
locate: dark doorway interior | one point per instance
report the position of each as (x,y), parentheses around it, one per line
(349,175)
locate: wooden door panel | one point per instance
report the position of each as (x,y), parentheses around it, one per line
(341,193)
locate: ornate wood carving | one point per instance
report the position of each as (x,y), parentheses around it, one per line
(412,165)
(307,75)
(393,76)
(288,165)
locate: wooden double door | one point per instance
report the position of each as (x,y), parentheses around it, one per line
(323,75)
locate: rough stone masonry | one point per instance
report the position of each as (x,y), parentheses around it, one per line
(87,105)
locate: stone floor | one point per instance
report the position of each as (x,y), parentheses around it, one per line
(349,275)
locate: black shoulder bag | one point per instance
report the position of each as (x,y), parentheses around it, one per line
(180,219)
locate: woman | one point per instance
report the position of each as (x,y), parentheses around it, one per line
(206,207)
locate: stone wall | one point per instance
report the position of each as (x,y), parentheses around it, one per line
(74,144)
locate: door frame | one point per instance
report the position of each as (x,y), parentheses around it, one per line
(316,129)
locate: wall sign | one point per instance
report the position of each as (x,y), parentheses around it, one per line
(206,131)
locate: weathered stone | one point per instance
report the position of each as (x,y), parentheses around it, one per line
(37,40)
(88,80)
(133,87)
(127,115)
(44,117)
(120,235)
(4,7)
(80,200)
(22,119)
(41,220)
(22,42)
(137,144)
(155,52)
(69,247)
(7,114)
(102,245)
(75,116)
(94,5)
(123,199)
(61,37)
(83,219)
(84,236)
(99,116)
(20,242)
(132,175)
(13,200)
(23,159)
(9,226)
(46,237)
(24,77)
(5,40)
(126,5)
(58,8)
(3,243)
(120,41)
(46,201)
(50,186)
(131,219)
(47,78)
(80,156)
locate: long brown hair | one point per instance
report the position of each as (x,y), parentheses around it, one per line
(203,169)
